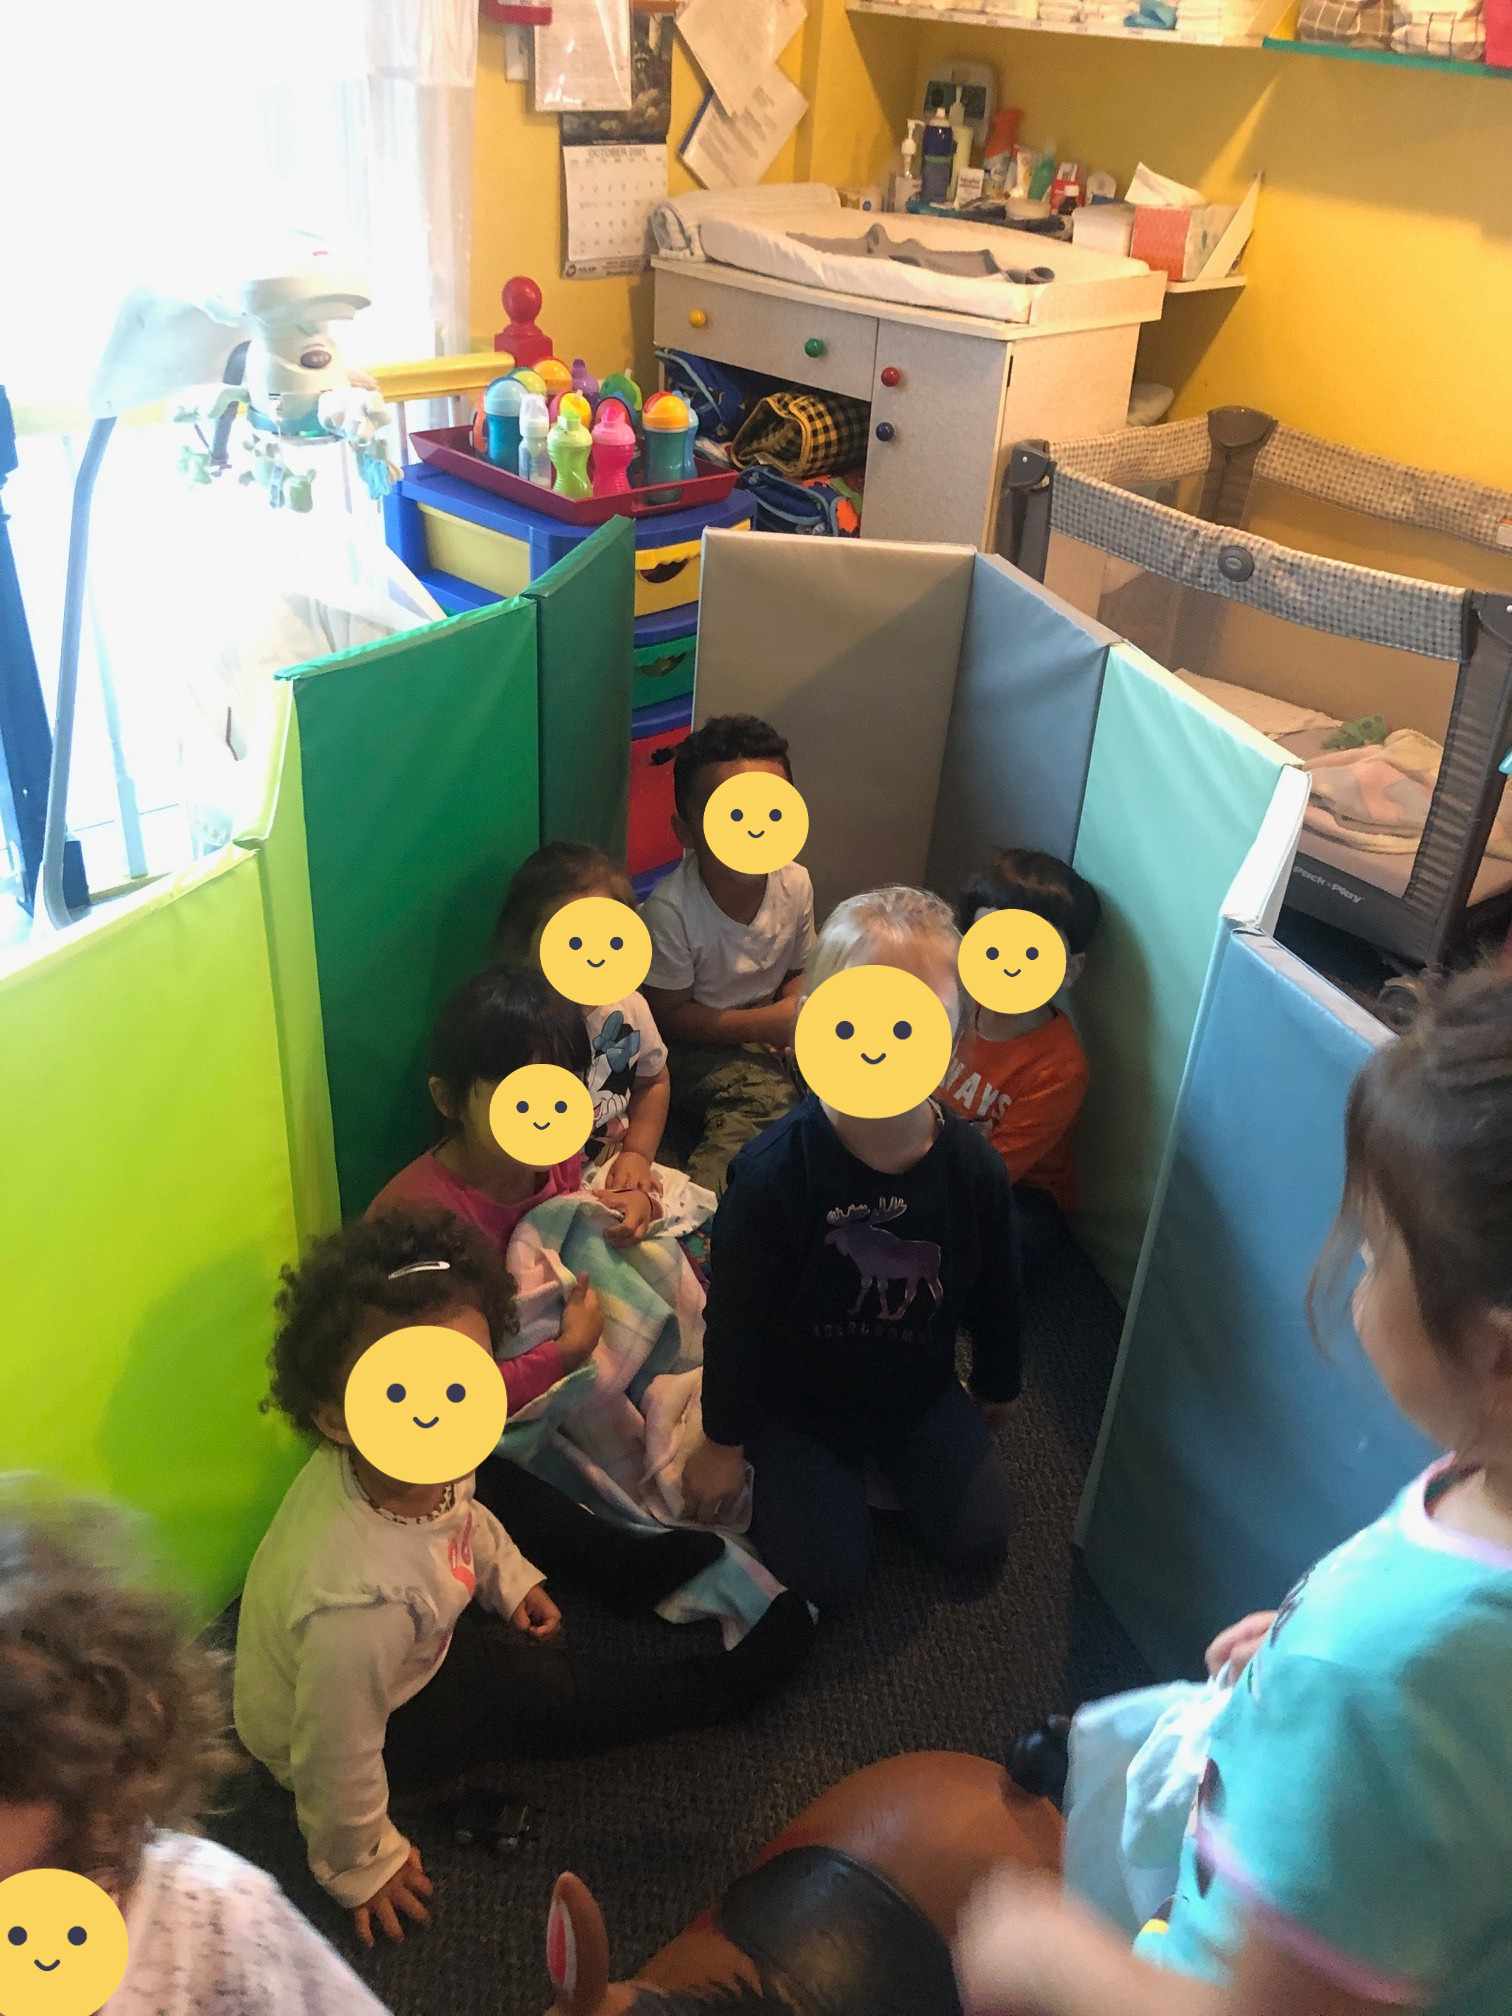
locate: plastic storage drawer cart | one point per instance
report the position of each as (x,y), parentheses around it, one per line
(1357,611)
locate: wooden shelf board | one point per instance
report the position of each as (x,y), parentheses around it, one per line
(910,10)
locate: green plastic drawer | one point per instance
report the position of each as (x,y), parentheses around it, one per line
(663,671)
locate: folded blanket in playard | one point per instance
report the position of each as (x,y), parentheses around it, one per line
(615,1434)
(1376,798)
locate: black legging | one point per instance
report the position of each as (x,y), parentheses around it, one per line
(499,1695)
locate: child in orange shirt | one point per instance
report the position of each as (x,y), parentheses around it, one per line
(1022,1078)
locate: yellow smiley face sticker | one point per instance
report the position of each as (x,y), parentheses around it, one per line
(595,950)
(1012,961)
(425,1405)
(62,1943)
(541,1115)
(873,1041)
(756,822)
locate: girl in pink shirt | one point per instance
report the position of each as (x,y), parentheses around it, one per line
(495,1024)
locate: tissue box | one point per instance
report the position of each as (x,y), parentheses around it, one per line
(1177,242)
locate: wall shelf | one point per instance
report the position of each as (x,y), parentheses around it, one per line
(1229,284)
(969,17)
(1392,58)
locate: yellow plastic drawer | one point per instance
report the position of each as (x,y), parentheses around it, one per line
(667,577)
(473,553)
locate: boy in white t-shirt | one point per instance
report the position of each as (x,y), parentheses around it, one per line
(727,956)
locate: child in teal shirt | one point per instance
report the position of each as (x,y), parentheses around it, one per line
(1350,1843)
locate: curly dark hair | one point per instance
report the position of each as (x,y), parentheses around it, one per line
(728,738)
(348,1276)
(110,1711)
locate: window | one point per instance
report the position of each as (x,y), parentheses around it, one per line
(170,141)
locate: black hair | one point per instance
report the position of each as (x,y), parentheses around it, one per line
(545,880)
(1428,1142)
(348,1275)
(498,1021)
(728,738)
(1022,878)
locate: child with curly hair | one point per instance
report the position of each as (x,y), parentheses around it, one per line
(396,1631)
(112,1739)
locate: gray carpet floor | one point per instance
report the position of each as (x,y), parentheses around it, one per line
(925,1661)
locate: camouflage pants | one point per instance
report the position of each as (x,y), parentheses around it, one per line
(722,1098)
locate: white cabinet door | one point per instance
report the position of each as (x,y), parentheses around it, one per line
(935,477)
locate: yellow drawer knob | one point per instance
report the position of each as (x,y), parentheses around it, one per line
(698,318)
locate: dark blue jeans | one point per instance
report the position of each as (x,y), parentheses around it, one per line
(810,1519)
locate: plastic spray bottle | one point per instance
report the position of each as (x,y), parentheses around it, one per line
(960,134)
(535,463)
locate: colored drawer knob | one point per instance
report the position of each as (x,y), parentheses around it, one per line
(698,318)
(815,347)
(885,430)
(891,376)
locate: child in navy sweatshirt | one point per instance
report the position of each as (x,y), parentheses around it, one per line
(846,1255)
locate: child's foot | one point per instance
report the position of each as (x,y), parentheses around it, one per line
(650,1568)
(1039,1759)
(770,1652)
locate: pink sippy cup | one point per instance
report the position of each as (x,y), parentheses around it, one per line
(614,447)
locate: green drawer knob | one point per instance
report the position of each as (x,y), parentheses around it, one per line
(815,347)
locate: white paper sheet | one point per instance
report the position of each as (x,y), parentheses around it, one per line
(582,61)
(610,195)
(736,42)
(726,153)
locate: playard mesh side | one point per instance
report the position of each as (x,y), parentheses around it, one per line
(1356,610)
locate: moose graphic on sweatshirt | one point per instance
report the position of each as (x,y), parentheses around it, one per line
(881,1259)
(837,1291)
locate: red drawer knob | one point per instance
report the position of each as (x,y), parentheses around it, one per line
(891,376)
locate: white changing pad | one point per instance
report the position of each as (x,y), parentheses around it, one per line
(1088,286)
(754,230)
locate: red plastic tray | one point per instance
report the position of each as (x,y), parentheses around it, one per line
(450,448)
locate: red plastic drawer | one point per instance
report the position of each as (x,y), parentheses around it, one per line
(651,843)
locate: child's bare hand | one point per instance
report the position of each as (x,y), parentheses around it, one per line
(1013,1925)
(631,1171)
(636,1214)
(538,1616)
(582,1325)
(404,1891)
(1232,1650)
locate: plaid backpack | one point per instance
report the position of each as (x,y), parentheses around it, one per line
(805,434)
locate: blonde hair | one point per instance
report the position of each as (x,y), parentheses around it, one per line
(868,927)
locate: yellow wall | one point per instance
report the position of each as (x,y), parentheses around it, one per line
(518,224)
(1379,309)
(1379,305)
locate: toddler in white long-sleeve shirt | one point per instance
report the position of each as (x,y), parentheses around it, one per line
(396,1631)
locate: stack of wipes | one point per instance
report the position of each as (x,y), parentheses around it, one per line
(1103,16)
(1064,13)
(1214,20)
(1013,10)
(1457,32)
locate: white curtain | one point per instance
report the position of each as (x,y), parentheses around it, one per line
(144,138)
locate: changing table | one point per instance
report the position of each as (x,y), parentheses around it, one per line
(950,393)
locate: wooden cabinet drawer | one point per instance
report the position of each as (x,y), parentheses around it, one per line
(765,333)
